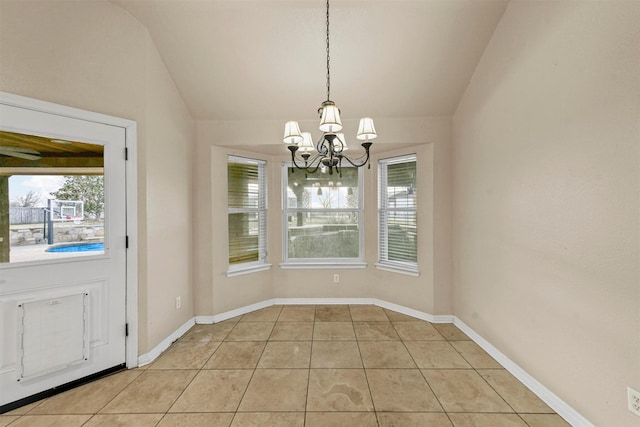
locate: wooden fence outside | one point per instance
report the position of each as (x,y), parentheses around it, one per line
(18,215)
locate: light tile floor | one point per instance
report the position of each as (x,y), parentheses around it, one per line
(305,366)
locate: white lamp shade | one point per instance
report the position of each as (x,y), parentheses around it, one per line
(340,141)
(292,133)
(366,130)
(330,119)
(307,143)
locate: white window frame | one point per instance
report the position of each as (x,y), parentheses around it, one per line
(321,263)
(404,267)
(261,264)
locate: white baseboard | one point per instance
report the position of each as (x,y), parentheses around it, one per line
(204,320)
(323,301)
(547,396)
(145,359)
(240,311)
(558,405)
(413,313)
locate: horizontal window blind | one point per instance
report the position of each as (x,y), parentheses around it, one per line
(247,208)
(397,205)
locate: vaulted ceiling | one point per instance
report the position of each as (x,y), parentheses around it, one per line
(265,59)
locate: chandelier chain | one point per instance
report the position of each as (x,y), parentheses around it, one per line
(328,72)
(329,150)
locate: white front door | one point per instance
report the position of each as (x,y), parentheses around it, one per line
(64,319)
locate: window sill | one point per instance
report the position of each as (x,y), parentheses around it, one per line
(248,270)
(409,271)
(322,265)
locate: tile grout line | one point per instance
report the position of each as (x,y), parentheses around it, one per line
(422,374)
(373,403)
(306,400)
(194,377)
(188,384)
(235,413)
(113,398)
(487,382)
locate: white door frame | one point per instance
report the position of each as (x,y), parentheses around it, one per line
(130,127)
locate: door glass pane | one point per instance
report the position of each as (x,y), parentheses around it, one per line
(51,198)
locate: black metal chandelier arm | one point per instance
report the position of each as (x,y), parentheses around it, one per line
(293,160)
(322,147)
(311,169)
(308,166)
(358,165)
(339,165)
(364,162)
(293,149)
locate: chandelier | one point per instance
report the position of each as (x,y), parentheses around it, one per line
(329,152)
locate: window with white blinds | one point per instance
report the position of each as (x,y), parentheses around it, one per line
(247,208)
(397,208)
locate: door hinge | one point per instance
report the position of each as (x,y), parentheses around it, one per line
(126,242)
(126,329)
(126,153)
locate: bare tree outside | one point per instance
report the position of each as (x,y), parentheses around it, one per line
(326,199)
(29,200)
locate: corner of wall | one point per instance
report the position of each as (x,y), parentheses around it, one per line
(443,223)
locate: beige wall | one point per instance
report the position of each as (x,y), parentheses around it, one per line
(431,292)
(169,199)
(546,203)
(443,225)
(95,56)
(412,292)
(230,292)
(216,293)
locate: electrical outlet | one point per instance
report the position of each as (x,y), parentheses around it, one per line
(336,278)
(178,303)
(634,400)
